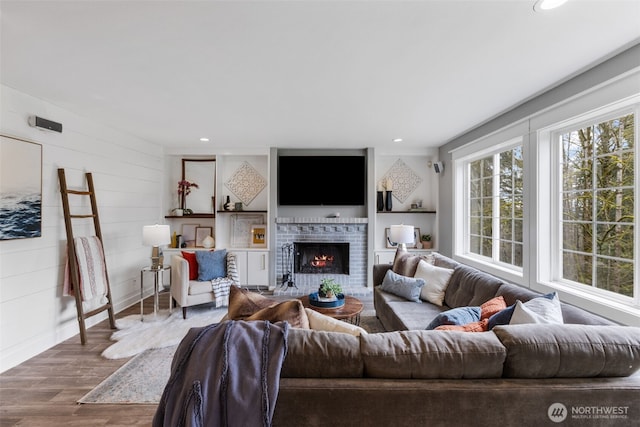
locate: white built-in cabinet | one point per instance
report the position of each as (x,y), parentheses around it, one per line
(253,267)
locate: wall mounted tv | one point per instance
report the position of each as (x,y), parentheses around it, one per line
(322,180)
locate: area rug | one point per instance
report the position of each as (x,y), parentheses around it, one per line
(142,379)
(135,336)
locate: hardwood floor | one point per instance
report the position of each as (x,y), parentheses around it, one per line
(43,391)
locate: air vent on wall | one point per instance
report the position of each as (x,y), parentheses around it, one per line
(40,123)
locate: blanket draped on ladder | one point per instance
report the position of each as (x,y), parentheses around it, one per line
(92,272)
(225,374)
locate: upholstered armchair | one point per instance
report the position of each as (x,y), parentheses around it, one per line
(203,277)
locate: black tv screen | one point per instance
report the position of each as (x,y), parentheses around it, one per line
(322,180)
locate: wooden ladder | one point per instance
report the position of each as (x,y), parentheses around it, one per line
(71,251)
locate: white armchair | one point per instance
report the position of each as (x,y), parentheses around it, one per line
(187,292)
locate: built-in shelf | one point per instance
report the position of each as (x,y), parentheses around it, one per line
(191,216)
(242,211)
(406,212)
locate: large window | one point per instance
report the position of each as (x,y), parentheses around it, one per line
(495,206)
(597,188)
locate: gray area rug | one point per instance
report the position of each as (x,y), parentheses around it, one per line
(142,379)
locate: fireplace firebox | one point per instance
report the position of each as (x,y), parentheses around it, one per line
(321,257)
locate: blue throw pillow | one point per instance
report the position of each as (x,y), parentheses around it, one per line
(211,264)
(456,316)
(403,286)
(503,317)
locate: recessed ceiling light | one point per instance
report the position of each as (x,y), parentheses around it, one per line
(204,139)
(542,5)
(397,140)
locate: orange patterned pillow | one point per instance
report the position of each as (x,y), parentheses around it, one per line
(479,326)
(491,307)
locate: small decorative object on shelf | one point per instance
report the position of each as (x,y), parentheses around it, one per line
(426,241)
(389,201)
(380,201)
(208,242)
(184,189)
(227,204)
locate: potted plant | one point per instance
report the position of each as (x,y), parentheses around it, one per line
(426,241)
(329,288)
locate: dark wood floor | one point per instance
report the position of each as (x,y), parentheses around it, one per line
(43,391)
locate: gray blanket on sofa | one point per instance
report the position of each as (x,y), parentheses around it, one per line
(225,374)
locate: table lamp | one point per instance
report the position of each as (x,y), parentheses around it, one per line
(155,236)
(402,234)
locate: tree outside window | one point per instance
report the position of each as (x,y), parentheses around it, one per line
(598,205)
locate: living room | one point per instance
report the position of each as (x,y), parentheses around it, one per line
(136,179)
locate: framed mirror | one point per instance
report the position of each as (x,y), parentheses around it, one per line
(200,200)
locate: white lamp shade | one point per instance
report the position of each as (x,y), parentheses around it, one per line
(156,235)
(401,234)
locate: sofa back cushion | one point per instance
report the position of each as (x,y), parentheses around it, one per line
(569,351)
(432,354)
(470,287)
(320,354)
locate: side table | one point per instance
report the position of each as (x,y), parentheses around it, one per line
(158,280)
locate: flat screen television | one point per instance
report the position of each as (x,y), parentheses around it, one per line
(322,180)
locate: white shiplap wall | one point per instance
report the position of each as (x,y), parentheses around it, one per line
(127,173)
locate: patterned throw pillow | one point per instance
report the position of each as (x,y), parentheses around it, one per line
(491,307)
(211,264)
(405,287)
(193,264)
(247,305)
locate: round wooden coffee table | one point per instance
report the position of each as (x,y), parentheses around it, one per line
(349,312)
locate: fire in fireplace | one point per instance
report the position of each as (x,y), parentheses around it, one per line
(321,258)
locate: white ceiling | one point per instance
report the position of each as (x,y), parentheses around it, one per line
(320,74)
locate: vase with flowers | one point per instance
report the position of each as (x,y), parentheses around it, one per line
(184,189)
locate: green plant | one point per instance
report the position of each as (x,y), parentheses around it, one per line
(426,237)
(329,288)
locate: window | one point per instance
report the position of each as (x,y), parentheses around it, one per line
(495,206)
(596,193)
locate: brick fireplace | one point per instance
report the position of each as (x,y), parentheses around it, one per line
(343,240)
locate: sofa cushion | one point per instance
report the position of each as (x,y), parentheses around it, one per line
(406,287)
(432,354)
(544,309)
(320,354)
(456,316)
(405,263)
(436,280)
(571,351)
(322,322)
(211,264)
(193,264)
(291,311)
(470,287)
(243,303)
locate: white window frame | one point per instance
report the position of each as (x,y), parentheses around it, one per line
(549,205)
(496,143)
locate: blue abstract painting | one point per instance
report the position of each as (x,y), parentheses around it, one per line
(20,189)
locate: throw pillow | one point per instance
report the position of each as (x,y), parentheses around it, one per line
(503,317)
(491,307)
(405,287)
(193,264)
(321,322)
(211,264)
(243,303)
(436,280)
(405,263)
(291,311)
(456,316)
(479,326)
(538,310)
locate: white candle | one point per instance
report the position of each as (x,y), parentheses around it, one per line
(389,184)
(380,186)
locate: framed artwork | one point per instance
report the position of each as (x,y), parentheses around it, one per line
(189,234)
(258,236)
(20,189)
(201,234)
(390,244)
(241,229)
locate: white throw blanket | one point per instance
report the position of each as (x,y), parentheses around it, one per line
(92,272)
